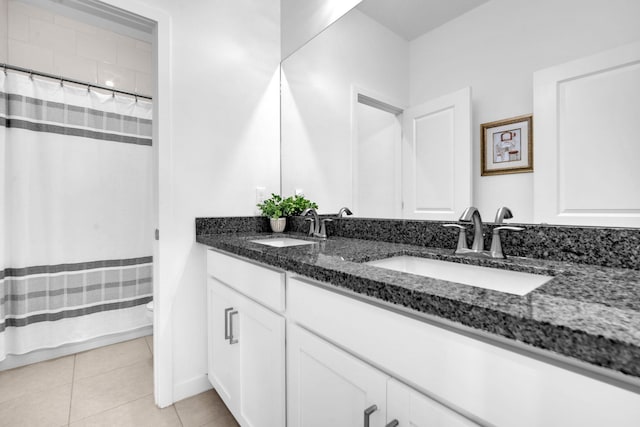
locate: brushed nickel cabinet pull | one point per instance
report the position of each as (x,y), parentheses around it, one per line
(227,335)
(232,340)
(367,414)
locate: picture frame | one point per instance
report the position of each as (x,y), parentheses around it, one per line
(506,146)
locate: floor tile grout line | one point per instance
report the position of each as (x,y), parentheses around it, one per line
(111,409)
(177,414)
(116,368)
(73,377)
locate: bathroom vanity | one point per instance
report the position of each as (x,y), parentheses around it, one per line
(315,334)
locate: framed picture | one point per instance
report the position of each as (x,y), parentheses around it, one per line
(507,146)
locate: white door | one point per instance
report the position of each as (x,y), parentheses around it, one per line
(436,152)
(586,146)
(262,365)
(224,366)
(410,408)
(329,387)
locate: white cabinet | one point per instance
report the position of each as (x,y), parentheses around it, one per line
(223,357)
(329,387)
(346,354)
(407,407)
(246,355)
(486,383)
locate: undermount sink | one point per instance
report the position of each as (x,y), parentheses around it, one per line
(283,242)
(513,282)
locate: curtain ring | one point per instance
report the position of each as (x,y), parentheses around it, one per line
(31,75)
(88,88)
(113,94)
(136,96)
(61,82)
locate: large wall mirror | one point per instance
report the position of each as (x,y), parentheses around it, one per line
(347,95)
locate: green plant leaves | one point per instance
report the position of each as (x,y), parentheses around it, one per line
(278,207)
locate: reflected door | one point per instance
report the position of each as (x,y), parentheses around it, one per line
(376,163)
(436,151)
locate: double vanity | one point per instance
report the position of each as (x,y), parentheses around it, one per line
(394,328)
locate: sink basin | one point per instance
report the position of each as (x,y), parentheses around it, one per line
(283,242)
(513,282)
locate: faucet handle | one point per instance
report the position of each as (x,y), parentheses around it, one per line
(507,227)
(311,225)
(496,243)
(462,235)
(323,227)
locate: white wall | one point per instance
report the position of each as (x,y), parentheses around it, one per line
(317,97)
(495,48)
(218,136)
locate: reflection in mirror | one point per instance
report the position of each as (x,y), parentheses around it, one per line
(376,159)
(494,47)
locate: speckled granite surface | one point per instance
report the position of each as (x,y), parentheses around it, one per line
(588,312)
(609,247)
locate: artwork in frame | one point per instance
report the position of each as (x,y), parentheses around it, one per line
(507,146)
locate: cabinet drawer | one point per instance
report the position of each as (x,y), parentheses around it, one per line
(485,382)
(262,284)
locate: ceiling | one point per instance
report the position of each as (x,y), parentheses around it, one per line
(412,18)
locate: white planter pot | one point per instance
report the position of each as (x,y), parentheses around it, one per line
(277,225)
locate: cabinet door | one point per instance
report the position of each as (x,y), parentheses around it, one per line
(329,387)
(223,358)
(261,339)
(411,408)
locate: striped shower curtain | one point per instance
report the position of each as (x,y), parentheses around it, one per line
(75,214)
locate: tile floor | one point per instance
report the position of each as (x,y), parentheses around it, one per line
(107,386)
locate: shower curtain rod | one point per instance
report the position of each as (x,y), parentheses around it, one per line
(6,67)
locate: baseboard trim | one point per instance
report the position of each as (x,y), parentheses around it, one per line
(191,387)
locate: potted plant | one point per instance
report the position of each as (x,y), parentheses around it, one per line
(277,209)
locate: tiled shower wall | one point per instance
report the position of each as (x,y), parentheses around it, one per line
(35,38)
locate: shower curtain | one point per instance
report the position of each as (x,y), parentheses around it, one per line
(75,214)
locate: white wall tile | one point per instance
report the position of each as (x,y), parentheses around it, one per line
(143,46)
(122,78)
(133,58)
(48,35)
(56,44)
(96,47)
(72,24)
(144,84)
(75,67)
(16,6)
(18,27)
(30,56)
(4,12)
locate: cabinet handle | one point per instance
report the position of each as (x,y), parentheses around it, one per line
(232,340)
(227,335)
(393,423)
(367,413)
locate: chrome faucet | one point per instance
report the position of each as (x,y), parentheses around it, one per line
(472,214)
(477,249)
(318,227)
(345,211)
(502,214)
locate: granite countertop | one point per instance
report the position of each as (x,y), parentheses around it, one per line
(586,312)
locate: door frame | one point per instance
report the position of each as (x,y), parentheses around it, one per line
(384,101)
